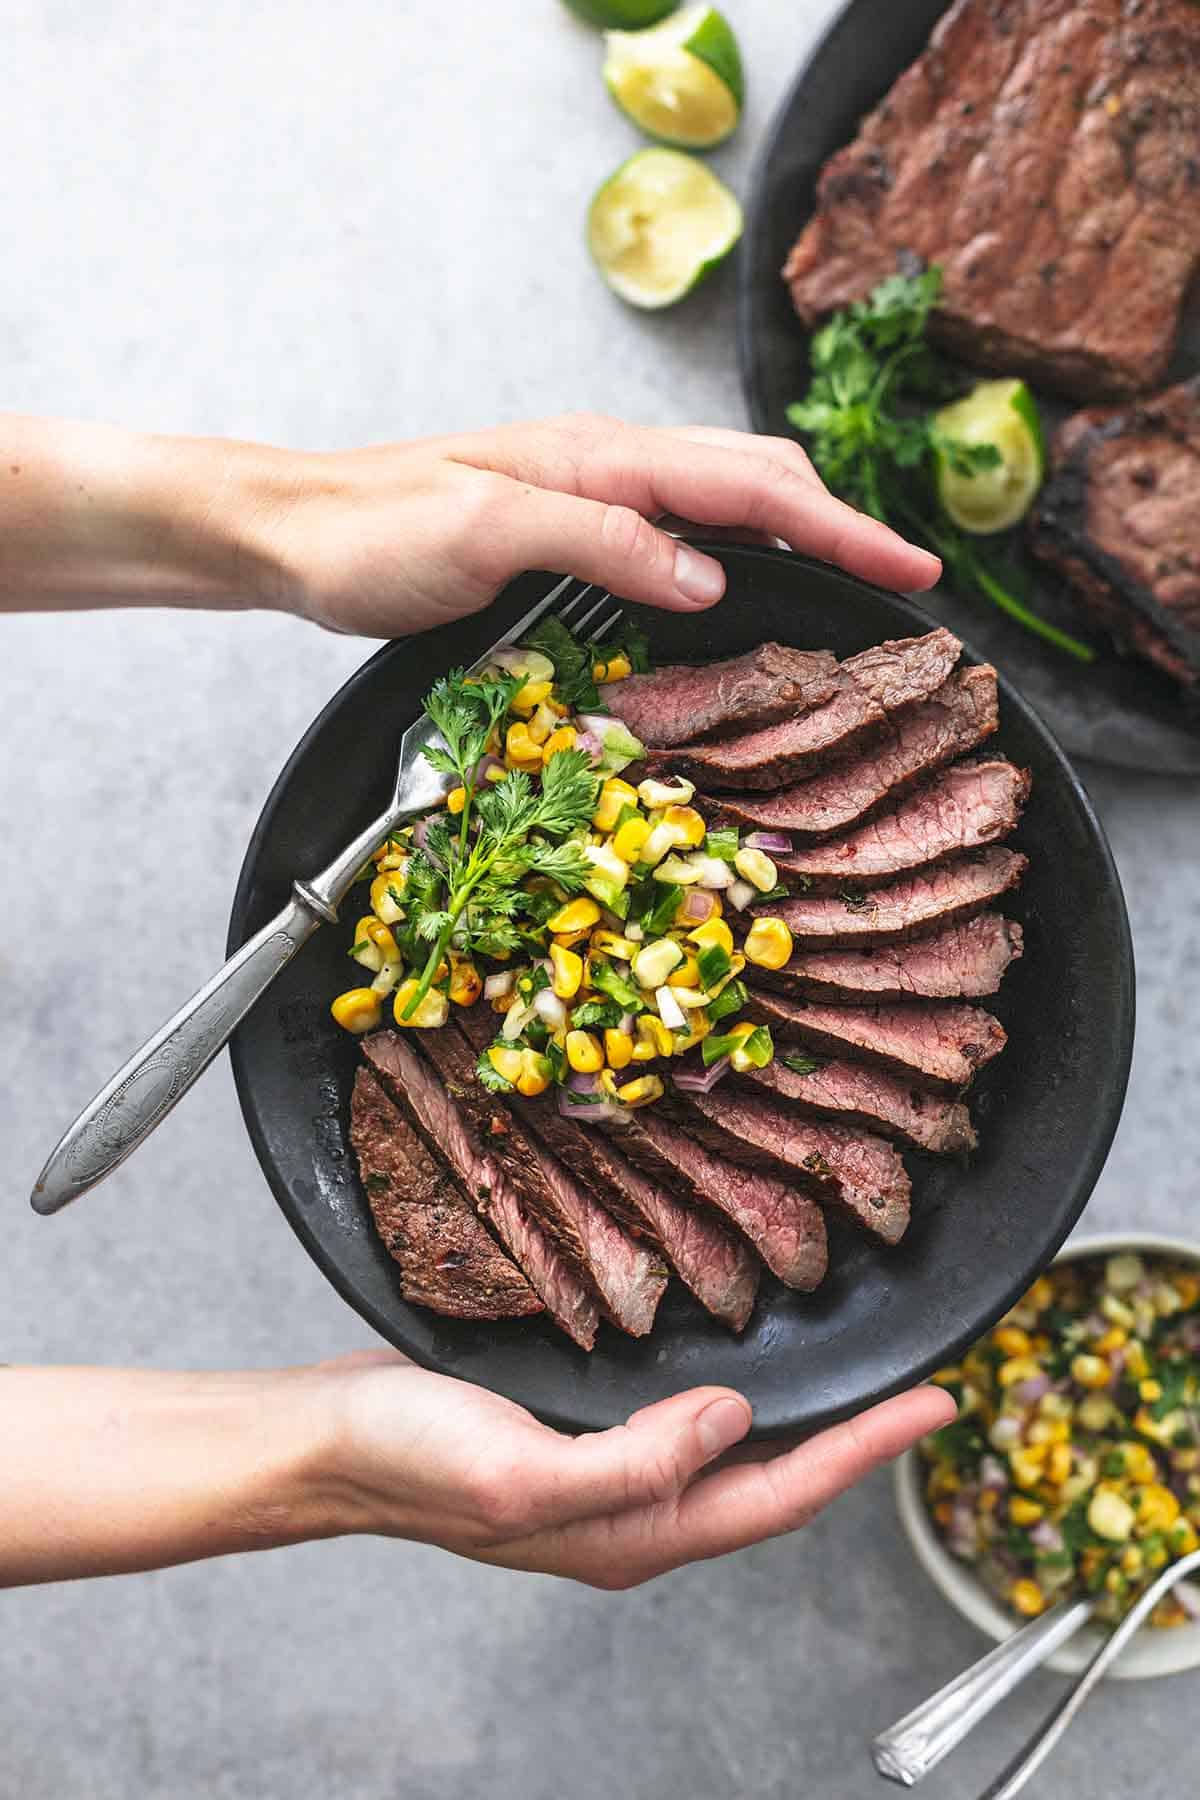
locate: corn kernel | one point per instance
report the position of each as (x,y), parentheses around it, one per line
(576,915)
(1158,1509)
(943,1480)
(1188,1289)
(988,1500)
(1027,1597)
(1090,1371)
(656,794)
(943,1512)
(1157,1556)
(527,699)
(358,1010)
(567,972)
(1115,1338)
(1136,1365)
(562,739)
(535,1074)
(1159,1431)
(687,975)
(768,944)
(1110,1516)
(629,839)
(506,1060)
(944,1377)
(618,1049)
(456,799)
(1058,1463)
(1018,1368)
(642,1092)
(1041,1294)
(504,1003)
(466,983)
(519,746)
(1115,1582)
(1183,1537)
(1024,1511)
(432,1012)
(1012,1340)
(387,894)
(617,668)
(1150,1390)
(615,795)
(653,1039)
(1026,1465)
(655,961)
(712,932)
(542,724)
(1131,1561)
(687,823)
(611,943)
(756,867)
(584,1053)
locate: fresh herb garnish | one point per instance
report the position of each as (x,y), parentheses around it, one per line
(803,1065)
(661,908)
(1173,1377)
(731,999)
(596,1015)
(573,679)
(489,1076)
(875,442)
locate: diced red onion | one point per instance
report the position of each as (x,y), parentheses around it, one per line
(590,744)
(597,1112)
(596,724)
(627,1023)
(741,893)
(699,905)
(1006,1432)
(580,1083)
(635,933)
(698,1079)
(550,1009)
(993,1473)
(713,873)
(1033,1389)
(774,841)
(479,772)
(420,836)
(613,922)
(496,985)
(669,1010)
(1047,1536)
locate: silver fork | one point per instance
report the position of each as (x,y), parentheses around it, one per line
(142,1093)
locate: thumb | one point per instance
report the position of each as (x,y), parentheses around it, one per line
(612,546)
(651,1459)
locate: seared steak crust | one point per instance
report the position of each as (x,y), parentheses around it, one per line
(445,1257)
(413,1085)
(1119,519)
(961,961)
(962,808)
(936,1043)
(1046,153)
(680,702)
(961,714)
(906,908)
(856,1095)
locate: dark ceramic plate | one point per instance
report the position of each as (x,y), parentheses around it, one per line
(1116,710)
(1047,1108)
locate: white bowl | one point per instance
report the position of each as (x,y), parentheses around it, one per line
(1151,1652)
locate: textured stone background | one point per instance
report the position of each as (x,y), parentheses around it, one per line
(322,225)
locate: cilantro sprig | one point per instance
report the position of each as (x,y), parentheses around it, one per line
(874,440)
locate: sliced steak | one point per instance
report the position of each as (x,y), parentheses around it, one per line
(717,1266)
(412,1083)
(961,808)
(629,1278)
(1045,154)
(858,1174)
(679,702)
(956,719)
(1119,519)
(872,687)
(937,1043)
(856,1095)
(447,1261)
(906,908)
(784,1225)
(961,961)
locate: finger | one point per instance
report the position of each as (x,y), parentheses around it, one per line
(646,472)
(749,443)
(641,1464)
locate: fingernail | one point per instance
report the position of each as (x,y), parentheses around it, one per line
(722,1425)
(698,578)
(933,564)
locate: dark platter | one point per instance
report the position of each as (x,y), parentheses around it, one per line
(1047,1109)
(1117,710)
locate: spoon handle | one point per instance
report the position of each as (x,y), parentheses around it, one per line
(917,1743)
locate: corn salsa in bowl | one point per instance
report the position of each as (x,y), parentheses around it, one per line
(1074,1464)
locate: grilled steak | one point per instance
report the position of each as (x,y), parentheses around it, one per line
(859,1174)
(784,1225)
(679,703)
(411,1083)
(447,1260)
(905,908)
(962,808)
(938,1043)
(1118,518)
(960,961)
(856,1095)
(1046,153)
(872,686)
(954,720)
(629,1278)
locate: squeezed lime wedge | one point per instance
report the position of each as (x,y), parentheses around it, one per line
(681,81)
(659,225)
(622,15)
(1003,413)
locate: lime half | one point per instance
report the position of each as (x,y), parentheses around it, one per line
(627,15)
(681,81)
(1003,413)
(659,225)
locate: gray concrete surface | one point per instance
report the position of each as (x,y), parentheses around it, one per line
(321,225)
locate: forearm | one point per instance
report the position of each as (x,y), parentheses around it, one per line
(111,1470)
(91,515)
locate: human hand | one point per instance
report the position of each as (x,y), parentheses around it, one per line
(404,537)
(422,1456)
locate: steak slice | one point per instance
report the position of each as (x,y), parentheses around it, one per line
(717,1266)
(962,808)
(855,1095)
(956,719)
(1045,154)
(858,1174)
(961,961)
(941,1044)
(447,1260)
(629,1279)
(681,702)
(1118,518)
(872,686)
(414,1086)
(784,1225)
(906,908)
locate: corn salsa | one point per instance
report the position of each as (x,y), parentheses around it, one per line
(1074,1462)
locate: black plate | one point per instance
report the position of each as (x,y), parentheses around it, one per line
(1117,710)
(1047,1109)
